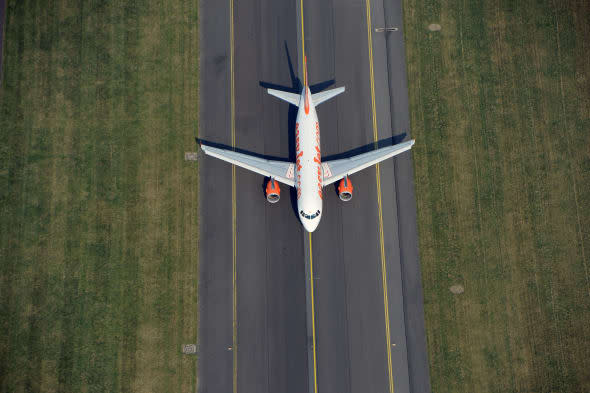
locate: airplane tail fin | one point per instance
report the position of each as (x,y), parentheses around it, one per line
(306,83)
(323,96)
(305,80)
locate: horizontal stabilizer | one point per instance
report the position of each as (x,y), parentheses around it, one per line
(318,98)
(291,98)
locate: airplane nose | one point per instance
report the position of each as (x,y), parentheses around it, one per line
(310,225)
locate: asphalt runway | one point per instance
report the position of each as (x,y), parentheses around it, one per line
(266,350)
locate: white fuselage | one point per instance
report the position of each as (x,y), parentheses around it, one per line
(308,165)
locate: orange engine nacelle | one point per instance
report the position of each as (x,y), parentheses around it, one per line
(345,189)
(273,191)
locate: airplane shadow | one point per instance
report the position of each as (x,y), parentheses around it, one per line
(296,84)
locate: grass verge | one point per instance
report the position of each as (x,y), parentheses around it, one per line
(500,109)
(98,233)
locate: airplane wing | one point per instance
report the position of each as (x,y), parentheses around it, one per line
(335,170)
(280,170)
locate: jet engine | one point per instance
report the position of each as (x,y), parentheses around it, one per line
(273,191)
(345,189)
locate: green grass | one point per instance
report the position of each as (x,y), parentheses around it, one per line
(98,229)
(500,109)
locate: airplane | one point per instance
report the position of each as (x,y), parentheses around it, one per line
(308,174)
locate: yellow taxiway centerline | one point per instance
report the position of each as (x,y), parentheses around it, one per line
(303,41)
(379,203)
(315,373)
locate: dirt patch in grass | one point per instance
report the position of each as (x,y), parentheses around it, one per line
(457,289)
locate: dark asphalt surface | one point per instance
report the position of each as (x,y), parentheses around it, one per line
(350,324)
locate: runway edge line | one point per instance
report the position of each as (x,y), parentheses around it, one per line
(233,207)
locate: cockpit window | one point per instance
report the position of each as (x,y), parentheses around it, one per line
(309,216)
